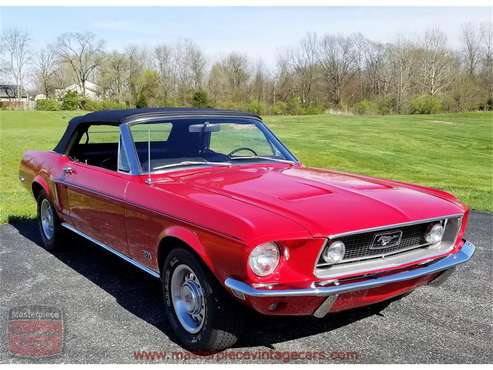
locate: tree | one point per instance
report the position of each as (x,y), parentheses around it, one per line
(304,63)
(82,52)
(236,71)
(46,69)
(486,55)
(338,56)
(436,62)
(15,44)
(114,76)
(470,48)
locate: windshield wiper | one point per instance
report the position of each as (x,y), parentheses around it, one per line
(261,157)
(191,163)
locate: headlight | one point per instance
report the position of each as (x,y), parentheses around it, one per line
(264,258)
(334,252)
(434,234)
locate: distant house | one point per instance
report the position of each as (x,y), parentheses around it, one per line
(92,90)
(8,93)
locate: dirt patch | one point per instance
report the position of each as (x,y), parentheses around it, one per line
(443,122)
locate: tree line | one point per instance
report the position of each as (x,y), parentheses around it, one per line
(342,73)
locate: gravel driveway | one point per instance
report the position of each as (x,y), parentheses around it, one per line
(111,310)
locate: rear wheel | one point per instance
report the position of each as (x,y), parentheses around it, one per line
(50,228)
(202,316)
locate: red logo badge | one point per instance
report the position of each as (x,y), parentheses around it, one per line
(35,331)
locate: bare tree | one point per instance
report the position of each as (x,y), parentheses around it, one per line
(163,56)
(338,57)
(83,52)
(196,62)
(486,52)
(470,47)
(375,68)
(46,68)
(114,76)
(436,62)
(15,44)
(303,61)
(236,71)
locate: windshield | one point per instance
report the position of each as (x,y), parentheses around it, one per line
(163,146)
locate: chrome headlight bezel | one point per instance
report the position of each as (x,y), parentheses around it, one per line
(435,233)
(264,259)
(334,252)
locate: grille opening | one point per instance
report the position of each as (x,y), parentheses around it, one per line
(358,246)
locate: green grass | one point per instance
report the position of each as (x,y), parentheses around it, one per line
(453,152)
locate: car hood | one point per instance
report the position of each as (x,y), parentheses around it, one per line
(324,202)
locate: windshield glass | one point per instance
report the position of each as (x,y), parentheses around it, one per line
(168,145)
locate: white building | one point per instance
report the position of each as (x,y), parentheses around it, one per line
(92,90)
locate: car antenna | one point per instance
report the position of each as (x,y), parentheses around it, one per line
(148,180)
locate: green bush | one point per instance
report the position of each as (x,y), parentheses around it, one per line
(366,107)
(141,101)
(279,108)
(71,101)
(94,105)
(294,106)
(313,109)
(387,105)
(257,107)
(425,105)
(200,99)
(48,104)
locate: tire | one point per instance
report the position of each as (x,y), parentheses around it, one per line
(220,326)
(53,235)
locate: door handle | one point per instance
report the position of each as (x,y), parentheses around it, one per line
(68,170)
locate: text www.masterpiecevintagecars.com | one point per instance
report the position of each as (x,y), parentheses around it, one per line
(279,356)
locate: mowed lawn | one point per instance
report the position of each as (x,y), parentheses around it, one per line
(453,152)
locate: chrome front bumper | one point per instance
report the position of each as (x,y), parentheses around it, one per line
(241,289)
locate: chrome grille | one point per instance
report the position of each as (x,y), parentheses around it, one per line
(359,257)
(358,245)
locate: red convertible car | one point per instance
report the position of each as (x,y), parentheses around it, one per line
(213,204)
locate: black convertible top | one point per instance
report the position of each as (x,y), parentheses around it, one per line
(117,117)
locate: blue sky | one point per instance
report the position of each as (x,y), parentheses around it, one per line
(256,31)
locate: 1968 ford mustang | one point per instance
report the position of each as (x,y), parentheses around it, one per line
(213,204)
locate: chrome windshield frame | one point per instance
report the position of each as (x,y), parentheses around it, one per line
(131,150)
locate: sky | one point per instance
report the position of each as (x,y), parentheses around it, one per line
(256,31)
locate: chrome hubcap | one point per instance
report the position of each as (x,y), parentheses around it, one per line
(188,299)
(47,220)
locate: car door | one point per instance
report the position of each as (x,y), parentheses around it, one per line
(95,180)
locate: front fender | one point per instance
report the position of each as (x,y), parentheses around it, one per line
(188,237)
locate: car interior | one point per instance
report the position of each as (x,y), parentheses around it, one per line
(182,144)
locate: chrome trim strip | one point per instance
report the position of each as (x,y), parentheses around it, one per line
(446,263)
(384,227)
(114,251)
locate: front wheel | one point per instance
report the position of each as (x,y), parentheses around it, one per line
(200,313)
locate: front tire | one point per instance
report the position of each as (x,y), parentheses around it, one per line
(201,315)
(50,228)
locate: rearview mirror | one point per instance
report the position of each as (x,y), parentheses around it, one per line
(204,127)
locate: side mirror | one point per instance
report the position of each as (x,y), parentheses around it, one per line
(204,127)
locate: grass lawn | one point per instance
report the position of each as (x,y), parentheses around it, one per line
(453,152)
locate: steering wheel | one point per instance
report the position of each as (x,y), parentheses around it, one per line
(240,149)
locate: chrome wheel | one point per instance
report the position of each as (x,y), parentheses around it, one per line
(47,219)
(188,299)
